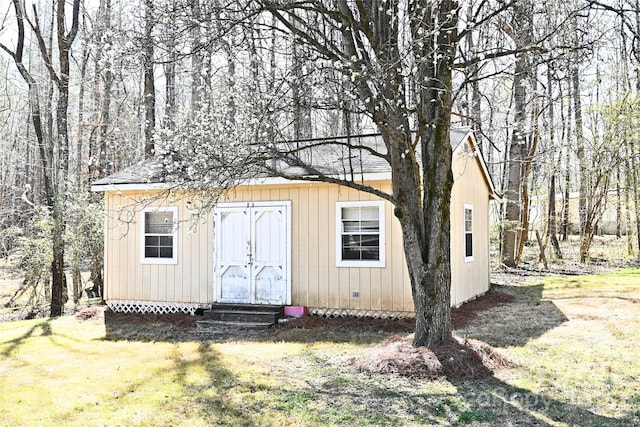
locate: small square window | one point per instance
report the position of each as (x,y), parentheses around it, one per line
(159,235)
(360,234)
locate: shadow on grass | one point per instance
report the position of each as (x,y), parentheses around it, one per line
(497,400)
(526,317)
(505,316)
(312,329)
(192,389)
(491,318)
(342,395)
(347,399)
(42,328)
(210,398)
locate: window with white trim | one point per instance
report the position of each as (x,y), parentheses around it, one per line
(468,233)
(360,234)
(159,237)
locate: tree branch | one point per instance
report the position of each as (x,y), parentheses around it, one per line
(42,45)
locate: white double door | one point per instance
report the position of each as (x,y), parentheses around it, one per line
(252,253)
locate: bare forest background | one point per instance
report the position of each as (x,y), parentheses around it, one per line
(90,87)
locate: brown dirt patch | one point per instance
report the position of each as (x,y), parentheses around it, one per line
(369,323)
(463,315)
(175,319)
(91,313)
(460,316)
(457,360)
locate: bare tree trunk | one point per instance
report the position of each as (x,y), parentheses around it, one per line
(518,150)
(525,193)
(301,114)
(552,228)
(475,112)
(55,189)
(634,153)
(81,107)
(149,81)
(171,99)
(34,103)
(567,172)
(627,197)
(199,61)
(583,172)
(431,284)
(59,294)
(618,230)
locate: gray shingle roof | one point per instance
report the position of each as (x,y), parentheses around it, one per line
(328,156)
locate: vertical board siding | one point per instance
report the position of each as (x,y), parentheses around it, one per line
(470,278)
(316,280)
(304,247)
(333,276)
(127,278)
(313,259)
(324,254)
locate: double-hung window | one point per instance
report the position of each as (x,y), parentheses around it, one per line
(159,237)
(468,233)
(360,234)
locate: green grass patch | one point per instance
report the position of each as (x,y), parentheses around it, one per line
(470,416)
(618,281)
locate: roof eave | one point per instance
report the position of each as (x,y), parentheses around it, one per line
(370,176)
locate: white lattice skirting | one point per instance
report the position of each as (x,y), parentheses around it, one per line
(333,312)
(152,307)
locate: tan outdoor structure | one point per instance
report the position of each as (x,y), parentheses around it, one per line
(289,249)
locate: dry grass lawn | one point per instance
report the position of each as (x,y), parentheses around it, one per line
(573,342)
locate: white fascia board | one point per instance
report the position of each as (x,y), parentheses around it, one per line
(378,176)
(130,187)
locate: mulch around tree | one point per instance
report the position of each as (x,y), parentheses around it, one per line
(458,359)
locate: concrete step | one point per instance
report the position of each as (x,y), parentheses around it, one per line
(248,307)
(241,315)
(212,324)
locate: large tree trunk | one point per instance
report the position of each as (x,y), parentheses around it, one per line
(583,167)
(431,272)
(518,150)
(301,114)
(59,293)
(428,250)
(420,162)
(421,190)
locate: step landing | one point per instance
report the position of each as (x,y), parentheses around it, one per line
(241,316)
